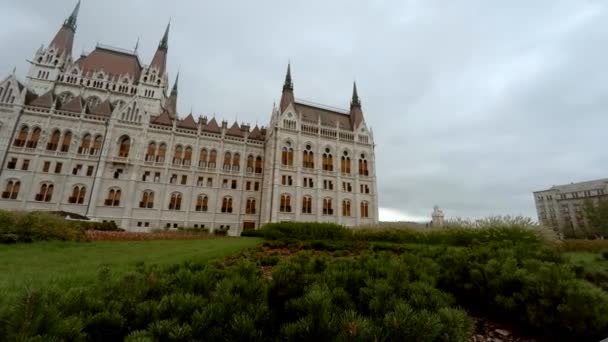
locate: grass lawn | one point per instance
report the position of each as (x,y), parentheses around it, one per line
(74,263)
(591,261)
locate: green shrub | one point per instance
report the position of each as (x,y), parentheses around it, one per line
(20,226)
(220,231)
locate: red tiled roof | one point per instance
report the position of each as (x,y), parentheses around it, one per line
(104,108)
(46,100)
(159,61)
(63,41)
(188,123)
(255,134)
(163,119)
(212,127)
(75,105)
(235,130)
(112,62)
(328,117)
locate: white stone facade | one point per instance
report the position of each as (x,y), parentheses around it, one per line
(85,136)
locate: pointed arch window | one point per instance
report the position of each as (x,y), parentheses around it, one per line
(113,198)
(307,205)
(202,159)
(363,170)
(285,206)
(187,156)
(250,207)
(258,164)
(287,154)
(364,209)
(54,141)
(227,160)
(78,194)
(162,152)
(151,152)
(250,163)
(227,204)
(147,199)
(345,163)
(328,160)
(21,137)
(308,158)
(345,208)
(177,155)
(124,146)
(175,203)
(46,193)
(202,203)
(328,206)
(236,162)
(85,144)
(212,159)
(66,141)
(34,137)
(11,191)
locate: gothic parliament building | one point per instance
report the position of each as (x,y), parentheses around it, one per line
(99,136)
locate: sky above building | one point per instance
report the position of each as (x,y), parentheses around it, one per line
(473,104)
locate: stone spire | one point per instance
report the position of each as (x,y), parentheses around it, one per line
(64,39)
(287,96)
(356,114)
(171,105)
(160,57)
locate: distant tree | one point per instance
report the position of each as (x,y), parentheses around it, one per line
(597,216)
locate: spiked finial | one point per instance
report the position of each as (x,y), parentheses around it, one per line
(70,22)
(355,101)
(164,43)
(288,84)
(136,45)
(174,90)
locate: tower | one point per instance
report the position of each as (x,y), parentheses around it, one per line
(153,82)
(438,217)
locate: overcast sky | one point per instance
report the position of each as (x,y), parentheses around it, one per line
(474,104)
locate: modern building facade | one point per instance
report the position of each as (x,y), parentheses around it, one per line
(100,136)
(561,206)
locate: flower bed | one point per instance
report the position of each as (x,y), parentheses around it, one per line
(97,235)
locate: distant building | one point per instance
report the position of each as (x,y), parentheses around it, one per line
(100,136)
(438,219)
(561,206)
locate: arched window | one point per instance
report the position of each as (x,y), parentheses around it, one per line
(177,155)
(227,204)
(307,205)
(202,203)
(93,101)
(328,160)
(258,164)
(78,193)
(113,199)
(345,208)
(345,163)
(212,159)
(176,201)
(227,160)
(85,144)
(364,209)
(33,140)
(363,170)
(54,141)
(65,97)
(11,191)
(151,151)
(66,141)
(285,206)
(46,193)
(124,146)
(250,163)
(188,156)
(308,158)
(202,158)
(147,199)
(327,207)
(287,154)
(162,151)
(236,162)
(250,208)
(21,137)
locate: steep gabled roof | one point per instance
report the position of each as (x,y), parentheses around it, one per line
(104,108)
(329,117)
(256,134)
(75,105)
(111,61)
(187,123)
(235,130)
(45,100)
(163,119)
(212,127)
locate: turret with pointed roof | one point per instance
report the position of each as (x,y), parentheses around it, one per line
(64,39)
(171,104)
(160,57)
(356,114)
(287,96)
